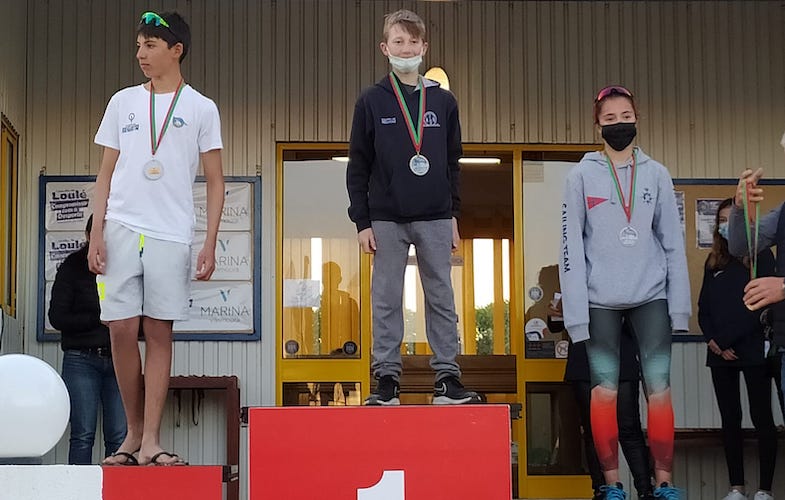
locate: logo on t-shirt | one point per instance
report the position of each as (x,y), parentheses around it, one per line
(593,201)
(131,127)
(178,122)
(430,119)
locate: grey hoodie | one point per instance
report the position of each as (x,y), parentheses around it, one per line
(595,269)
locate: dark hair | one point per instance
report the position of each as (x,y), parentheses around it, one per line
(719,255)
(598,104)
(177,32)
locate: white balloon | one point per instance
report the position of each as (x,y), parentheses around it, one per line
(34,406)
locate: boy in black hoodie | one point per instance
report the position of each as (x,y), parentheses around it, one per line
(402,180)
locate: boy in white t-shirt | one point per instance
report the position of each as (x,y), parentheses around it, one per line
(154,136)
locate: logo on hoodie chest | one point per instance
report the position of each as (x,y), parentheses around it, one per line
(593,201)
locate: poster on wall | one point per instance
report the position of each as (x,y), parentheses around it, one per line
(705,217)
(682,217)
(59,245)
(68,205)
(47,300)
(237,211)
(224,308)
(233,255)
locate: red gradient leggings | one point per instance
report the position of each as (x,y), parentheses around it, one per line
(650,324)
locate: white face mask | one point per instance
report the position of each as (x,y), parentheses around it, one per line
(405,64)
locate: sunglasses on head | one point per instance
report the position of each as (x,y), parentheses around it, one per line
(612,90)
(153,18)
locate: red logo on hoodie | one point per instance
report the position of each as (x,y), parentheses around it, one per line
(593,201)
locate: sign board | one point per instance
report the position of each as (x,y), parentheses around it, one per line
(225,308)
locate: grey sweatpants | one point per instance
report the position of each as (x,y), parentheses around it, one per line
(433,243)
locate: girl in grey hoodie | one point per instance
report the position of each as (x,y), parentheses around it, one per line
(622,257)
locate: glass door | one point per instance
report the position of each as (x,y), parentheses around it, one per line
(323,347)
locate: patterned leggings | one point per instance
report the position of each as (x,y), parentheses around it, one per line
(650,324)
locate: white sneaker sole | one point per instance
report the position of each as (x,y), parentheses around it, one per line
(444,400)
(392,402)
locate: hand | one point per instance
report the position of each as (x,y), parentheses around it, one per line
(755,194)
(96,254)
(713,347)
(367,240)
(761,292)
(729,355)
(555,310)
(205,263)
(456,236)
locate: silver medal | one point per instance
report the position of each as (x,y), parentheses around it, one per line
(628,236)
(419,165)
(153,170)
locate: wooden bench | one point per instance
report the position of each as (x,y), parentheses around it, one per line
(493,374)
(231,388)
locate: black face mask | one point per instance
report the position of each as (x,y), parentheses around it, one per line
(619,135)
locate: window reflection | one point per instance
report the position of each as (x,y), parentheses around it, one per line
(321,394)
(543,190)
(321,263)
(553,433)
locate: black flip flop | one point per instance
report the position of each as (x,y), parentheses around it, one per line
(154,460)
(130,459)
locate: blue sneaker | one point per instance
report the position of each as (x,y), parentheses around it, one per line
(612,492)
(667,492)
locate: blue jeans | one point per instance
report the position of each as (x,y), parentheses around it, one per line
(91,384)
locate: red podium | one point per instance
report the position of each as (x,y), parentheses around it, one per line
(380,453)
(163,483)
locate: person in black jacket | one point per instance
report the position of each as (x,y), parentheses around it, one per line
(88,372)
(402,181)
(631,437)
(736,345)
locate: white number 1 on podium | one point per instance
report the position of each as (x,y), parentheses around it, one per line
(389,487)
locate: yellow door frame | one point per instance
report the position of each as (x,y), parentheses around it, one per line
(358,370)
(317,370)
(535,370)
(8,210)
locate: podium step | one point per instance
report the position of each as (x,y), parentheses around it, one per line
(93,482)
(380,453)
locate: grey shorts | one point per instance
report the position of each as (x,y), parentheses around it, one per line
(144,276)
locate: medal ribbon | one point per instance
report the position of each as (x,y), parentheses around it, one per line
(752,247)
(629,204)
(414,133)
(154,144)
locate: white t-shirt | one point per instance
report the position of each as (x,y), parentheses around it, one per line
(161,208)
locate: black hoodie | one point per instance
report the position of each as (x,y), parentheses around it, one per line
(380,184)
(724,318)
(74,308)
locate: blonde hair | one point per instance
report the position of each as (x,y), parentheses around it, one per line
(409,21)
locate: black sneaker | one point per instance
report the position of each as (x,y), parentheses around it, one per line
(450,391)
(386,393)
